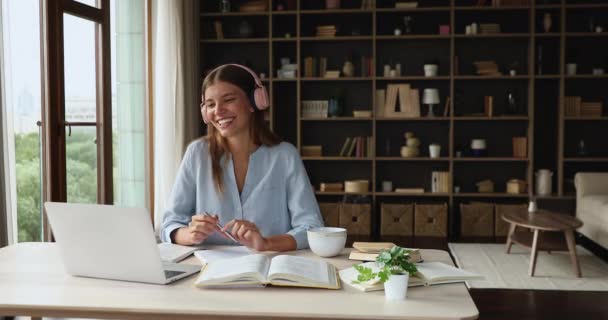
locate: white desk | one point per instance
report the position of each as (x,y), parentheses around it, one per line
(33,283)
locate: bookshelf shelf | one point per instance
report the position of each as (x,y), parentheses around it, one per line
(586,34)
(487,8)
(497,118)
(326,193)
(586,76)
(414,37)
(417,9)
(336,79)
(590,159)
(336,11)
(586,118)
(501,77)
(413,78)
(331,119)
(423,119)
(412,194)
(492,35)
(233,14)
(337,159)
(236,40)
(399,159)
(489,195)
(490,159)
(284,13)
(337,38)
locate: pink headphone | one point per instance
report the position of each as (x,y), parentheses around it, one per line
(260,95)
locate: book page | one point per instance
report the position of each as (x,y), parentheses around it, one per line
(230,268)
(306,268)
(213,255)
(437,271)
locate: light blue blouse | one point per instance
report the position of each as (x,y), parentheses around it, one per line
(277,195)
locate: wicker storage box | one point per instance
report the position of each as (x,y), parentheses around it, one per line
(397,219)
(356,218)
(477,220)
(431,220)
(331,213)
(501,227)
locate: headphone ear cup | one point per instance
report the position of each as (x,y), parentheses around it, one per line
(260,96)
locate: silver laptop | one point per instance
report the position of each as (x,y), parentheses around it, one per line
(109,242)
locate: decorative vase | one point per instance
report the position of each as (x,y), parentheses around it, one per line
(547,22)
(434,150)
(245,29)
(543,182)
(348,69)
(409,152)
(511,103)
(395,288)
(334,108)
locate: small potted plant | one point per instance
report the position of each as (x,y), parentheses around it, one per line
(395,270)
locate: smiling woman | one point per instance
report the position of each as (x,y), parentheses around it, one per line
(253,184)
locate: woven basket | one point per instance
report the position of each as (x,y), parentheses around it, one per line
(431,220)
(331,213)
(397,219)
(501,227)
(477,220)
(356,218)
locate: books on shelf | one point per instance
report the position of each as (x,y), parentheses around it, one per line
(310,67)
(520,147)
(409,190)
(219,32)
(314,108)
(440,181)
(260,270)
(380,95)
(332,74)
(486,68)
(488,106)
(326,31)
(489,28)
(312,151)
(406,4)
(429,273)
(359,147)
(591,109)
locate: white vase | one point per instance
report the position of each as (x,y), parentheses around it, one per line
(543,182)
(434,150)
(395,288)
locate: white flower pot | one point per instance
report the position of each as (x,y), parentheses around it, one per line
(395,288)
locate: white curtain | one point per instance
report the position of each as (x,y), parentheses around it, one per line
(7,195)
(176,114)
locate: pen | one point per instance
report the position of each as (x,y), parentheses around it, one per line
(220,226)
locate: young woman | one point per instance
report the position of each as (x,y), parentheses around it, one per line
(240,176)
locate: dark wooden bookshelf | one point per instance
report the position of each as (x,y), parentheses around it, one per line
(540,90)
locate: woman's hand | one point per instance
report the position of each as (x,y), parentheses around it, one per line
(197,231)
(247,234)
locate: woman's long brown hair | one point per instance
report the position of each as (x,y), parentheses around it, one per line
(258,129)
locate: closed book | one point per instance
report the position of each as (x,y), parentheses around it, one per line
(409,190)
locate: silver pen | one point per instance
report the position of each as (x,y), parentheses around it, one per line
(220,226)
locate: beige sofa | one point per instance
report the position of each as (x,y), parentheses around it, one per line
(592,205)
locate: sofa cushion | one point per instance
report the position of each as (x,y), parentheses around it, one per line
(595,205)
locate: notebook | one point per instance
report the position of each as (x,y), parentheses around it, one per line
(429,273)
(259,270)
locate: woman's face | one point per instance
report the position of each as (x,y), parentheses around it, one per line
(227,108)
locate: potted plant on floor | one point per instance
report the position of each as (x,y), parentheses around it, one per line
(395,271)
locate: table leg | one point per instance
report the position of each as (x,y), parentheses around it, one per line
(534,252)
(572,250)
(509,242)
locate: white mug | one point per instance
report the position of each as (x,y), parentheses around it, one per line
(430,70)
(387,186)
(571,69)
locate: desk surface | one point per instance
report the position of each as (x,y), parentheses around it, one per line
(33,282)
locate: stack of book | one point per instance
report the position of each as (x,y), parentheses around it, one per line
(332,74)
(486,68)
(440,181)
(486,28)
(572,106)
(591,109)
(368,251)
(406,4)
(520,147)
(331,187)
(326,31)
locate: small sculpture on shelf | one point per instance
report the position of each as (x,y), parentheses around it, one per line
(410,149)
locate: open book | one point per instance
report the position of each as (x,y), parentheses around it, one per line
(258,270)
(429,273)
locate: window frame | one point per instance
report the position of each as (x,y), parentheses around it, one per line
(53,100)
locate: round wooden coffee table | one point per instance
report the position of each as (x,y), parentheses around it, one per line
(538,239)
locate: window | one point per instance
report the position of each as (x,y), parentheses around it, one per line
(23,107)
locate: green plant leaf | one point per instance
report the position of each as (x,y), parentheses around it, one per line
(365,274)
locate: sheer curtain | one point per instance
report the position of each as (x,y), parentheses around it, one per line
(7,223)
(176,113)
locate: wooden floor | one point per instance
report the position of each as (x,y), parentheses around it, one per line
(501,304)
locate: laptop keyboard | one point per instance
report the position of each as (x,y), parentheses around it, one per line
(170,274)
